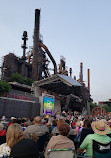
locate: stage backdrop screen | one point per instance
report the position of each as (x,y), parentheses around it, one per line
(48,104)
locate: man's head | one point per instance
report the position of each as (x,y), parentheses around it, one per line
(37,120)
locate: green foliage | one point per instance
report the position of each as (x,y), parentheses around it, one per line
(28,81)
(18,78)
(92,105)
(109,104)
(4,87)
(107,108)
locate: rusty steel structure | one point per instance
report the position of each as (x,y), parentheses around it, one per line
(88,80)
(81,73)
(70,71)
(97,111)
(39,57)
(24,38)
(62,67)
(35,66)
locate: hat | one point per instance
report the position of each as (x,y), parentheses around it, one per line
(3,117)
(13,118)
(100,127)
(24,148)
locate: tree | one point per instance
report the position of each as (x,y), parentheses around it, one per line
(4,87)
(107,108)
(92,105)
(20,79)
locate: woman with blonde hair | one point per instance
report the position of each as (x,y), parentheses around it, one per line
(14,134)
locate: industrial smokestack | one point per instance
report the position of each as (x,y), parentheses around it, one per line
(70,71)
(88,80)
(74,77)
(36,68)
(24,38)
(81,73)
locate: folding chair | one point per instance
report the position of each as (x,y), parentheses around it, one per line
(61,153)
(101,150)
(82,156)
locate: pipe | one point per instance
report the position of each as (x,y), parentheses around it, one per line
(81,73)
(50,56)
(74,77)
(24,38)
(70,71)
(89,80)
(35,64)
(30,56)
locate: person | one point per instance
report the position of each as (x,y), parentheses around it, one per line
(26,148)
(60,141)
(78,126)
(4,121)
(38,128)
(77,137)
(109,124)
(54,124)
(2,130)
(86,130)
(55,131)
(2,134)
(49,126)
(13,135)
(58,115)
(100,129)
(74,123)
(12,121)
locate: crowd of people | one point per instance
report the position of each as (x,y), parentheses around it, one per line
(24,137)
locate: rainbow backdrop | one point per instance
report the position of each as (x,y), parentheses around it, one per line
(48,105)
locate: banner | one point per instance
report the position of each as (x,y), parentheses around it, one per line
(48,104)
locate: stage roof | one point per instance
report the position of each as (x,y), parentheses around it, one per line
(60,84)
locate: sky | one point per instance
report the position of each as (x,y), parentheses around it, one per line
(79,30)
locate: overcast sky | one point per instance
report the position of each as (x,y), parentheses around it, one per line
(79,30)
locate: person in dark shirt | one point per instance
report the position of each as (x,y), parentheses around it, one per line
(86,130)
(25,148)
